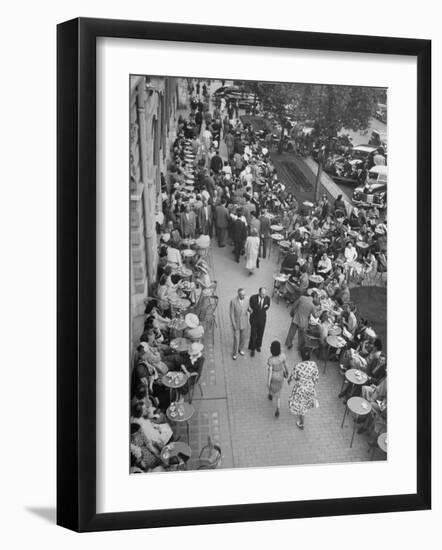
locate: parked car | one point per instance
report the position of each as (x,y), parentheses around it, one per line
(363,151)
(232,93)
(374,191)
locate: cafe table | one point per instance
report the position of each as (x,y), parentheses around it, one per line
(181,412)
(355,377)
(174,381)
(180,344)
(363,246)
(380,445)
(174,449)
(276,228)
(335,342)
(278,280)
(316,279)
(335,330)
(359,407)
(176,326)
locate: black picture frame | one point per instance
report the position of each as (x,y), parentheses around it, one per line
(76,273)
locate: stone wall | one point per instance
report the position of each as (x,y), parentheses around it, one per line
(153,118)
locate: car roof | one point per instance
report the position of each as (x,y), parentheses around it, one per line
(379,169)
(364,147)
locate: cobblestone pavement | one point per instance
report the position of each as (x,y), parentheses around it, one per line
(234,409)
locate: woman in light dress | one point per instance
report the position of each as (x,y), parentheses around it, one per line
(305,375)
(252,251)
(277,371)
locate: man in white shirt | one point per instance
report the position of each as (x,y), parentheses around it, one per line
(324,266)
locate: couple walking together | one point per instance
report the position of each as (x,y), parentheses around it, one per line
(240,308)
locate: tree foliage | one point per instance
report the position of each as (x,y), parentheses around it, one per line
(329,107)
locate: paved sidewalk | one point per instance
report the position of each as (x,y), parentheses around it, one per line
(257,437)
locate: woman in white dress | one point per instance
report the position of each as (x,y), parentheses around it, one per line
(252,251)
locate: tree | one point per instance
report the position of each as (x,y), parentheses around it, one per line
(333,108)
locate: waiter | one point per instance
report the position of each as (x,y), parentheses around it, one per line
(258,306)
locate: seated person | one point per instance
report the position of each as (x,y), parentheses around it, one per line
(350,252)
(324,267)
(289,262)
(162,360)
(192,365)
(156,435)
(349,319)
(343,294)
(174,256)
(144,456)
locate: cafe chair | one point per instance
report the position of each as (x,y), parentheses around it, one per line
(312,343)
(195,380)
(210,456)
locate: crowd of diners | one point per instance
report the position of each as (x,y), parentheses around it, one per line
(236,199)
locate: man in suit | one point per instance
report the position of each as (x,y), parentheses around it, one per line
(188,223)
(221,222)
(300,313)
(205,220)
(265,232)
(258,306)
(239,235)
(239,308)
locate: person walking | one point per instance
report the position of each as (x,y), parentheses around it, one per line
(252,251)
(277,371)
(265,232)
(239,234)
(204,219)
(239,308)
(221,222)
(258,306)
(300,314)
(305,376)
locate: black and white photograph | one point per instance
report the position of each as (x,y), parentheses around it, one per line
(258,261)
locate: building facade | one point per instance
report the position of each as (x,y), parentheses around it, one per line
(154,106)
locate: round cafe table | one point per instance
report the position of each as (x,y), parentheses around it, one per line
(335,330)
(335,342)
(174,381)
(181,412)
(316,279)
(359,407)
(355,377)
(277,236)
(176,326)
(180,344)
(363,247)
(276,228)
(278,280)
(173,449)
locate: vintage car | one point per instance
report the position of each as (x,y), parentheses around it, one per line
(362,151)
(236,93)
(374,191)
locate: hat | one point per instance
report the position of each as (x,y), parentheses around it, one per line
(192,320)
(195,348)
(370,333)
(144,345)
